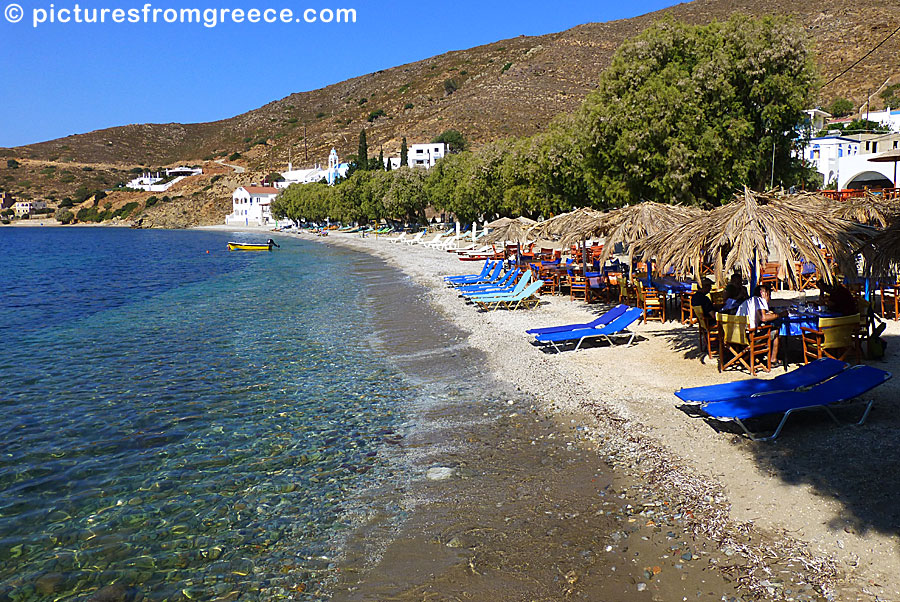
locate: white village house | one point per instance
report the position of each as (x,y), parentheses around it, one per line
(159,182)
(844,161)
(251,206)
(335,171)
(27,207)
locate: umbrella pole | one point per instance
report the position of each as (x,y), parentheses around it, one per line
(868,293)
(753,275)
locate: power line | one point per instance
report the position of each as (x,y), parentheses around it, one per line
(860,59)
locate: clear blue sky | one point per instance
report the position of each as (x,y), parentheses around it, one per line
(60,79)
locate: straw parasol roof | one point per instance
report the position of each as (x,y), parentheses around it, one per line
(882,253)
(636,222)
(870,209)
(558,226)
(507,228)
(754,226)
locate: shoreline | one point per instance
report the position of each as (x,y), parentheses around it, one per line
(640,434)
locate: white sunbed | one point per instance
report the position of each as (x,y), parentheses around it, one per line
(417,238)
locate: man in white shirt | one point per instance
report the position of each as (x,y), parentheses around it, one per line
(756,309)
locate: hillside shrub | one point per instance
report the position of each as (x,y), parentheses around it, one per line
(505,67)
(64,216)
(12,164)
(375,115)
(234,156)
(840,107)
(450,86)
(408,105)
(125,210)
(151,201)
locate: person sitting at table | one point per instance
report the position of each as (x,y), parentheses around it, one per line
(756,308)
(735,294)
(840,300)
(701,299)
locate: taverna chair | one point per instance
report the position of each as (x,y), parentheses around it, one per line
(708,332)
(837,338)
(750,347)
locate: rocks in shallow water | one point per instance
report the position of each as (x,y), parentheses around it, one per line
(439,473)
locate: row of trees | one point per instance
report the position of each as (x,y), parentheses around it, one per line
(684,114)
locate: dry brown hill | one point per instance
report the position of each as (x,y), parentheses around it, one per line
(511,87)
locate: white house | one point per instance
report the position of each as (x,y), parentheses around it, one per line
(27,207)
(817,119)
(160,183)
(251,206)
(426,155)
(335,170)
(887,117)
(844,161)
(825,153)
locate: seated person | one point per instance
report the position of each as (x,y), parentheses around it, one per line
(735,294)
(756,309)
(701,299)
(840,300)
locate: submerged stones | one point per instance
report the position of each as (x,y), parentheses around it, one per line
(440,473)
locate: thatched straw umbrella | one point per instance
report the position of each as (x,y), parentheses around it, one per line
(753,226)
(636,222)
(870,209)
(882,253)
(559,226)
(508,228)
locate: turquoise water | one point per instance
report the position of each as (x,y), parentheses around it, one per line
(183,425)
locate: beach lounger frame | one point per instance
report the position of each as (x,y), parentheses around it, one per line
(618,327)
(527,297)
(766,404)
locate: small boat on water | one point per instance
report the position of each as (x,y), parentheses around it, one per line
(245,246)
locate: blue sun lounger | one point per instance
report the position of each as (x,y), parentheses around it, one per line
(492,276)
(526,297)
(618,327)
(804,376)
(470,278)
(603,320)
(847,385)
(504,282)
(509,289)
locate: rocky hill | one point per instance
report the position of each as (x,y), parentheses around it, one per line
(511,87)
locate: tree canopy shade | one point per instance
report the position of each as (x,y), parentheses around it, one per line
(690,113)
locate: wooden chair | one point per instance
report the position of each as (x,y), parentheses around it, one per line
(687,313)
(890,303)
(751,347)
(627,294)
(768,274)
(578,286)
(709,333)
(654,305)
(805,281)
(837,338)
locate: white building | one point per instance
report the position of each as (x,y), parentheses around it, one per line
(817,119)
(844,161)
(335,171)
(251,206)
(27,207)
(426,155)
(887,117)
(159,182)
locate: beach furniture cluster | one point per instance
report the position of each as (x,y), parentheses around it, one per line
(493,289)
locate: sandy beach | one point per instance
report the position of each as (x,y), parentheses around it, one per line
(817,506)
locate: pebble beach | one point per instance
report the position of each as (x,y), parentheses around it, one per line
(810,516)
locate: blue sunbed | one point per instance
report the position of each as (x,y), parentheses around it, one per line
(606,318)
(617,327)
(492,276)
(804,376)
(507,279)
(510,290)
(470,278)
(847,385)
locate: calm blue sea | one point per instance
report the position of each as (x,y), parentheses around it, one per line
(180,422)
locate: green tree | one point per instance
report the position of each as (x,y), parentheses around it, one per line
(453,139)
(404,152)
(64,216)
(362,157)
(12,164)
(691,113)
(840,107)
(891,96)
(450,86)
(381,159)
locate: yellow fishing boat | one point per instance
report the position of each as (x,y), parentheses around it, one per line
(245,246)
